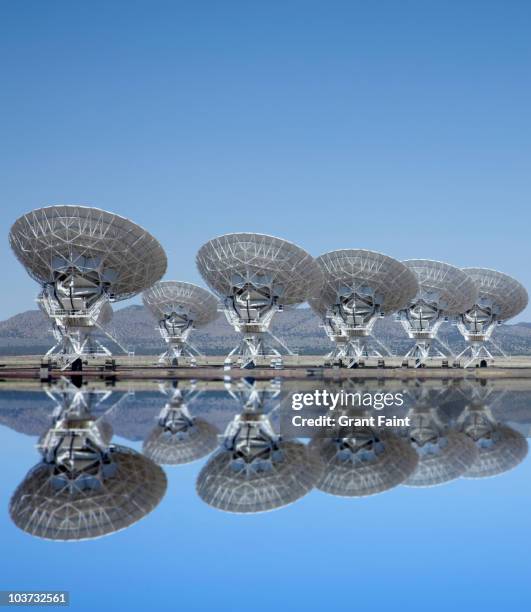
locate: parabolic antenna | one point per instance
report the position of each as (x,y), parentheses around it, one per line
(256,471)
(441,459)
(180,438)
(83,258)
(500,297)
(230,484)
(500,448)
(179,308)
(119,255)
(498,452)
(444,291)
(54,505)
(359,286)
(365,463)
(256,275)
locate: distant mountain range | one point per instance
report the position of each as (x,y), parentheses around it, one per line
(29,333)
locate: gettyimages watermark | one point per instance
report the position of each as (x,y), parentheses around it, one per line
(322,411)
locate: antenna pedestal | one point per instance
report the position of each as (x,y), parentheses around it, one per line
(352,349)
(424,349)
(257,344)
(477,353)
(74,330)
(178,347)
(254,348)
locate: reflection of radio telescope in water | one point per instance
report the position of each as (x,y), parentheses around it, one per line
(500,298)
(364,462)
(179,437)
(84,487)
(84,258)
(255,276)
(444,291)
(500,448)
(444,454)
(359,287)
(256,471)
(179,308)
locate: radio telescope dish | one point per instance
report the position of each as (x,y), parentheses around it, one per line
(359,286)
(500,298)
(179,308)
(179,437)
(502,450)
(256,275)
(442,459)
(366,463)
(282,478)
(256,471)
(444,291)
(83,258)
(52,505)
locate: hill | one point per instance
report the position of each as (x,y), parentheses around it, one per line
(29,333)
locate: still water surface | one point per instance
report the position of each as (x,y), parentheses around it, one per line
(184,496)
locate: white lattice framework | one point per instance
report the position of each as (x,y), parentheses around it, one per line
(84,486)
(254,470)
(444,291)
(500,298)
(255,276)
(84,258)
(180,437)
(179,308)
(359,287)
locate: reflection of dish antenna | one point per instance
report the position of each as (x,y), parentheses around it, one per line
(255,276)
(500,448)
(362,461)
(84,258)
(359,286)
(255,470)
(444,291)
(179,308)
(444,454)
(84,487)
(500,298)
(179,437)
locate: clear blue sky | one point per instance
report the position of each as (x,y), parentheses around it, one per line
(397,126)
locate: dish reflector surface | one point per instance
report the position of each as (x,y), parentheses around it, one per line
(54,239)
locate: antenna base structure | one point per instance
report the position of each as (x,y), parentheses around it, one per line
(352,346)
(257,343)
(74,330)
(425,349)
(178,347)
(476,353)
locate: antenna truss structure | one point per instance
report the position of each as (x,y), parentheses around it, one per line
(84,258)
(255,276)
(444,291)
(500,298)
(179,308)
(359,287)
